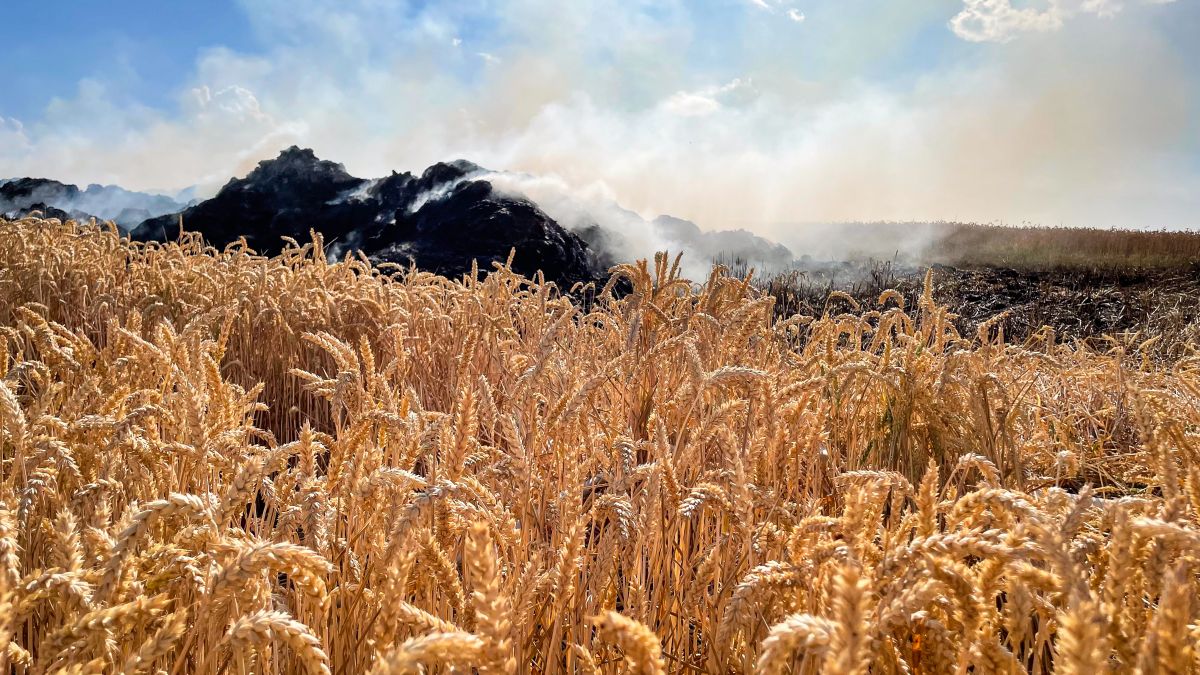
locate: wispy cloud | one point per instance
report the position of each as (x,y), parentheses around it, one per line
(709,100)
(12,135)
(785,8)
(1000,21)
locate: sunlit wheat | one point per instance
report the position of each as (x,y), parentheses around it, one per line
(216,462)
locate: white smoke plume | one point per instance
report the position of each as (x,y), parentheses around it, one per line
(618,233)
(731,115)
(106,202)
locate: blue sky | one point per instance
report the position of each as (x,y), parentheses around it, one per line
(145,49)
(758,113)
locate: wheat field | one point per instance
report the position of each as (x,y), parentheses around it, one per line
(215,462)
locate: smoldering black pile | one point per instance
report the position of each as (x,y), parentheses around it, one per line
(451,214)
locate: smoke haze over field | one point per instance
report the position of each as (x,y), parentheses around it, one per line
(739,113)
(107,202)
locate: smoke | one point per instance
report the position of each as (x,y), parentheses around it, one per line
(616,233)
(106,202)
(626,234)
(127,207)
(1096,139)
(903,242)
(733,116)
(436,192)
(623,235)
(215,133)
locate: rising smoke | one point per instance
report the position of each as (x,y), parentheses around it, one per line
(619,234)
(106,202)
(1056,126)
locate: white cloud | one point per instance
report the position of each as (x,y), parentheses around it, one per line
(12,135)
(709,100)
(779,6)
(1000,21)
(690,104)
(234,101)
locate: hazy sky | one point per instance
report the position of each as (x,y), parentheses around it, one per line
(758,113)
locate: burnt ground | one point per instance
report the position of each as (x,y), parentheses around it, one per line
(1075,302)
